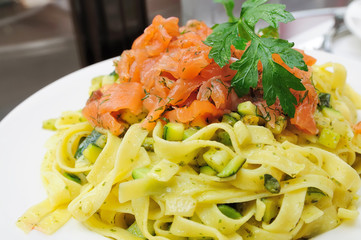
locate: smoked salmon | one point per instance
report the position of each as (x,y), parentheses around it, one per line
(168,75)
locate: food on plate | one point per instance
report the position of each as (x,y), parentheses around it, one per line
(204,133)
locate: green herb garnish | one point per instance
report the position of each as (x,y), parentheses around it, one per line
(276,80)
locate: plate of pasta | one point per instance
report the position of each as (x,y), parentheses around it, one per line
(193,133)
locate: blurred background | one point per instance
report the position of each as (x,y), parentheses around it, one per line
(43,40)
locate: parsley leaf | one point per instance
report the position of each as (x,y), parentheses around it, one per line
(276,80)
(223,37)
(247,74)
(271,13)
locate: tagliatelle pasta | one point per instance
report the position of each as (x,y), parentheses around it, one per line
(128,171)
(179,202)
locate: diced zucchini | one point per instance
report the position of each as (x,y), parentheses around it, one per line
(49,124)
(101,141)
(173,131)
(232,167)
(229,211)
(135,230)
(271,184)
(223,137)
(72,177)
(148,144)
(92,138)
(314,195)
(228,119)
(329,138)
(332,113)
(140,172)
(235,116)
(91,152)
(271,209)
(247,108)
(189,132)
(207,170)
(216,159)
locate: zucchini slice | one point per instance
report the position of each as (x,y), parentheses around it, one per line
(92,138)
(232,167)
(173,131)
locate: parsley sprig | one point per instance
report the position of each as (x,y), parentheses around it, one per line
(276,80)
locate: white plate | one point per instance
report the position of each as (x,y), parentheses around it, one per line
(22,149)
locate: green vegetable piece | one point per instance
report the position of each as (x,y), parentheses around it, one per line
(101,141)
(189,132)
(235,116)
(207,170)
(216,159)
(329,138)
(173,131)
(135,230)
(271,184)
(229,211)
(72,177)
(223,137)
(91,152)
(140,172)
(277,81)
(332,113)
(232,167)
(148,144)
(226,118)
(49,124)
(92,138)
(247,108)
(314,195)
(325,100)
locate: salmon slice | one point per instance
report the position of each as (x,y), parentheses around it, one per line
(105,120)
(122,96)
(157,36)
(196,109)
(182,89)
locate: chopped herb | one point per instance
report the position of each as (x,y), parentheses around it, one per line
(146,95)
(160,108)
